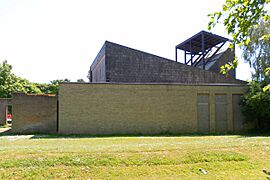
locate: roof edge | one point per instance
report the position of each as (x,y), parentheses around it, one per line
(184,84)
(224,39)
(100,53)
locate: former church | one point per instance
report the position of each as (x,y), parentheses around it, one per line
(134,92)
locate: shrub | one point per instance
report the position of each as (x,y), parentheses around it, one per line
(255,104)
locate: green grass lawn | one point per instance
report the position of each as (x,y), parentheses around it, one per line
(52,157)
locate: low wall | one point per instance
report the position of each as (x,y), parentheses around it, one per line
(148,108)
(4,102)
(34,113)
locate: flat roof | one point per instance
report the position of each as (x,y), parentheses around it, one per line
(194,44)
(183,84)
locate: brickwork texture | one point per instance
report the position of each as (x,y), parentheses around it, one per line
(108,108)
(34,113)
(122,64)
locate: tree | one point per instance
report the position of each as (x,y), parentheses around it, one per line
(52,87)
(255,105)
(239,16)
(10,83)
(257,51)
(80,81)
(248,22)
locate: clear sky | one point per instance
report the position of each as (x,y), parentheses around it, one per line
(55,39)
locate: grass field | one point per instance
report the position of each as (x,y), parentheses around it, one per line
(56,157)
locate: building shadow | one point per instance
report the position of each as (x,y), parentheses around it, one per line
(71,136)
(7,132)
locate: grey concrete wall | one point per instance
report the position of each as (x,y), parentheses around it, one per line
(124,64)
(34,113)
(97,68)
(105,108)
(4,102)
(98,71)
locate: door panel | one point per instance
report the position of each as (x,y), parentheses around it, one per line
(203,112)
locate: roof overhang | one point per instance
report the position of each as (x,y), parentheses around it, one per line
(195,44)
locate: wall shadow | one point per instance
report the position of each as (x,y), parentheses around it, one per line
(65,136)
(8,132)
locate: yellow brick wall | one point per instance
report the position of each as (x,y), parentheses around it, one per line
(34,113)
(136,108)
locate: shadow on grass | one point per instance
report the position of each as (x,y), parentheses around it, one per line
(38,136)
(253,133)
(54,136)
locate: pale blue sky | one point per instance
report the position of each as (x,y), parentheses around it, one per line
(56,39)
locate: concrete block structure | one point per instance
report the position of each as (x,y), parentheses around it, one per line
(125,108)
(117,63)
(134,92)
(34,113)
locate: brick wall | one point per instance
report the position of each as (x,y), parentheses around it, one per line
(4,102)
(138,108)
(34,113)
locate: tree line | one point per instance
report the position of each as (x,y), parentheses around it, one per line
(11,83)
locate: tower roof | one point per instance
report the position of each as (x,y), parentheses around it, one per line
(195,43)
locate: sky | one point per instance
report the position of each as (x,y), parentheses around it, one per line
(55,39)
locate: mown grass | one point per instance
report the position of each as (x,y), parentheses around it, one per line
(71,157)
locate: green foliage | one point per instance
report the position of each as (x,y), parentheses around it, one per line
(267,71)
(266,88)
(257,52)
(239,16)
(10,83)
(247,21)
(255,104)
(52,87)
(229,66)
(267,75)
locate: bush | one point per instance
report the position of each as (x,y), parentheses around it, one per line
(255,105)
